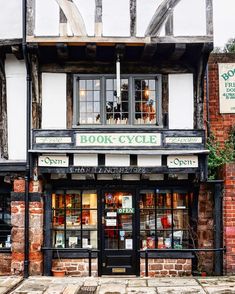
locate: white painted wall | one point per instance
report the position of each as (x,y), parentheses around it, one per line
(54,101)
(117,160)
(116,18)
(149,160)
(87,10)
(190,18)
(144,13)
(16,107)
(11,19)
(85,160)
(181,102)
(47,16)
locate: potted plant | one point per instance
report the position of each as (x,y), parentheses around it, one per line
(59,270)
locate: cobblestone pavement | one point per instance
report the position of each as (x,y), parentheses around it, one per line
(117,285)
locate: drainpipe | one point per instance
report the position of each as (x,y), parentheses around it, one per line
(28,138)
(207,103)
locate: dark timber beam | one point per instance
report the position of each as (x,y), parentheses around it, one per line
(133,17)
(149,51)
(209,17)
(160,16)
(17,51)
(91,51)
(178,51)
(121,50)
(169,26)
(62,51)
(98,18)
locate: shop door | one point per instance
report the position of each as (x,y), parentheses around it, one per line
(119,252)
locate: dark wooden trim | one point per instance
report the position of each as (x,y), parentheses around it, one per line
(36,92)
(160,16)
(178,52)
(10,42)
(30,17)
(62,51)
(3,110)
(132,17)
(69,101)
(98,11)
(169,26)
(33,197)
(8,166)
(91,51)
(209,18)
(169,255)
(47,231)
(149,51)
(116,170)
(17,51)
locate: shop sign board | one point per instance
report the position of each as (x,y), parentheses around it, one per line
(118,139)
(53,140)
(183,140)
(227,87)
(125,210)
(184,161)
(53,160)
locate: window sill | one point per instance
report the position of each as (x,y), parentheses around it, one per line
(169,255)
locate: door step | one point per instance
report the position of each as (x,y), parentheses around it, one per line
(119,276)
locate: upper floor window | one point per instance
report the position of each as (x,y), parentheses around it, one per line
(96,101)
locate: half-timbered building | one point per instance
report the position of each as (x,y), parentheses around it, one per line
(103,144)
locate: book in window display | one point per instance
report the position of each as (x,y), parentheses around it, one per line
(59,240)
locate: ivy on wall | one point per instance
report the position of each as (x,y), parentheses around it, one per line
(219,155)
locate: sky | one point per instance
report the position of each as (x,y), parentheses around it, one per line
(224,21)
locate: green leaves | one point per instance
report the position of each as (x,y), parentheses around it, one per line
(219,155)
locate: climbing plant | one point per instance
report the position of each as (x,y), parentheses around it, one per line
(219,155)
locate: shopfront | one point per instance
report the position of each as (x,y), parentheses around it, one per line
(117,221)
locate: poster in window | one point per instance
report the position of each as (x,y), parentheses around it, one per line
(127,201)
(128,244)
(59,240)
(73,242)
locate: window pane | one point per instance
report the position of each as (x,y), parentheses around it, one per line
(89,111)
(5,221)
(89,239)
(73,239)
(109,84)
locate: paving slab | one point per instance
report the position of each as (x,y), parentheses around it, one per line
(72,289)
(112,288)
(222,281)
(91,282)
(31,286)
(121,281)
(141,290)
(10,281)
(3,290)
(137,283)
(156,282)
(181,290)
(220,289)
(55,289)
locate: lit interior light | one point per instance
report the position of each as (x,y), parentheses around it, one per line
(82,93)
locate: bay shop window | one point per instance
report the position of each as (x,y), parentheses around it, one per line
(96,101)
(74,222)
(164,219)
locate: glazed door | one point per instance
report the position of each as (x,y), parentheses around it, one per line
(119,253)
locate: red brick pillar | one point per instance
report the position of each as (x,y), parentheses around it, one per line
(205,228)
(17,232)
(35,228)
(229,217)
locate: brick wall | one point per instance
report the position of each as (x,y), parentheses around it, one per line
(5,264)
(77,267)
(220,125)
(229,218)
(166,267)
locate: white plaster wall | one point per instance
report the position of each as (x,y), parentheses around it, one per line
(144,13)
(47,16)
(53,101)
(181,102)
(149,160)
(11,19)
(117,160)
(87,10)
(116,18)
(16,107)
(190,18)
(85,160)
